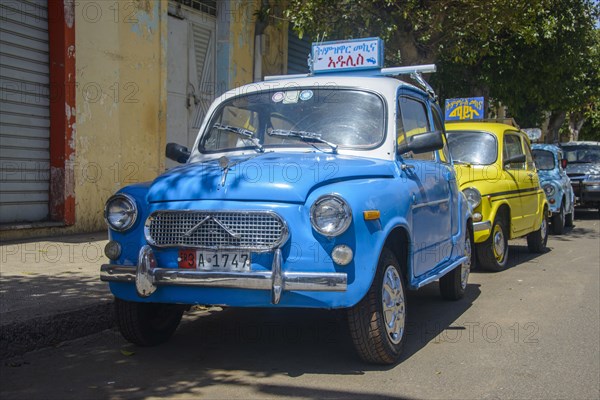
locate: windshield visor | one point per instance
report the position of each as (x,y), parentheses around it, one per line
(470,147)
(347,118)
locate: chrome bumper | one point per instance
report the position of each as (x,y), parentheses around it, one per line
(482,226)
(147,277)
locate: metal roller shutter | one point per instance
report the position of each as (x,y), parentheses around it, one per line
(24,111)
(298,51)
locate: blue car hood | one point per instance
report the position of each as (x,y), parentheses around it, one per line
(281,177)
(549,175)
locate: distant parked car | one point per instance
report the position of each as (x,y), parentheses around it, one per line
(551,165)
(583,169)
(495,170)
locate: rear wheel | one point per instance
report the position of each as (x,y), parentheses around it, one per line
(558,221)
(377,321)
(454,283)
(147,324)
(536,241)
(493,253)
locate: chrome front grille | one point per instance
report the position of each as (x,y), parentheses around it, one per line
(258,231)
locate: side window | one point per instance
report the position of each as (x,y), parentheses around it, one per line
(438,125)
(512,148)
(412,120)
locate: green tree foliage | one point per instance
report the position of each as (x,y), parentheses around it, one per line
(534,56)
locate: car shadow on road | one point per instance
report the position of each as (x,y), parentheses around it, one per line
(234,349)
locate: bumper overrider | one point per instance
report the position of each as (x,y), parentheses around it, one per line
(148,276)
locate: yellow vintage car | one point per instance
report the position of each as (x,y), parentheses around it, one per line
(496,172)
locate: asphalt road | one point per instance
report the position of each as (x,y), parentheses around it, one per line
(531,332)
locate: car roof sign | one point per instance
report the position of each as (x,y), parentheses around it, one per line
(346,55)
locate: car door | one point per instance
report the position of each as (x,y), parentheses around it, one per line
(530,187)
(515,174)
(430,215)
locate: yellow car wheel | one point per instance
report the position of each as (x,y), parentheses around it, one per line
(493,253)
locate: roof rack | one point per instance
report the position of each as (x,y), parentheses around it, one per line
(415,72)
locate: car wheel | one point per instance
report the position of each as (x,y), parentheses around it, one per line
(493,253)
(147,324)
(377,322)
(570,218)
(536,241)
(558,221)
(454,283)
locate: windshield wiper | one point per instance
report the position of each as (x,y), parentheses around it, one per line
(308,137)
(244,133)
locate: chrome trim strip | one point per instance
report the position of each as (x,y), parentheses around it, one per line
(482,226)
(430,203)
(117,273)
(282,240)
(443,272)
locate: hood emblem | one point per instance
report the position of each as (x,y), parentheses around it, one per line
(229,231)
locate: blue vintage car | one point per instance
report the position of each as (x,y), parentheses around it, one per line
(551,165)
(332,190)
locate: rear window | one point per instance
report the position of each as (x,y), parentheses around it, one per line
(544,159)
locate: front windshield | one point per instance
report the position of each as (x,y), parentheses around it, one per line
(323,118)
(582,154)
(471,147)
(544,159)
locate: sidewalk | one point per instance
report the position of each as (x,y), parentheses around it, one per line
(50,291)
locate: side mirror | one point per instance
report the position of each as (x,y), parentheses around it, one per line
(515,160)
(422,143)
(563,163)
(177,152)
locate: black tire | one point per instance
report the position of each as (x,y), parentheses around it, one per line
(491,256)
(570,218)
(147,324)
(559,221)
(536,241)
(454,283)
(374,341)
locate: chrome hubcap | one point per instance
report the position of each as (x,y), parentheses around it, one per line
(466,266)
(543,228)
(499,243)
(394,307)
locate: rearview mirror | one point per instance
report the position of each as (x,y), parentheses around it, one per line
(515,159)
(177,152)
(422,143)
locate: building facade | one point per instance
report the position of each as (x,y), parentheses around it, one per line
(91,92)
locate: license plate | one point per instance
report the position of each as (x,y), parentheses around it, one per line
(214,261)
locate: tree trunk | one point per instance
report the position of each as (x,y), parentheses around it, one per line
(576,120)
(556,120)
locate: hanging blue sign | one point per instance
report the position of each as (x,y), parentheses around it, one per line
(464,109)
(344,55)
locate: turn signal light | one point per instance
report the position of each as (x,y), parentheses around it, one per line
(371,215)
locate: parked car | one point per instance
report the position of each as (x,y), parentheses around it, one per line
(496,172)
(551,164)
(313,192)
(583,169)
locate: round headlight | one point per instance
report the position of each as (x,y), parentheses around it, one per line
(120,212)
(549,189)
(473,197)
(330,215)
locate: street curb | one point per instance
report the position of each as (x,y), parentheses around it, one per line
(21,337)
